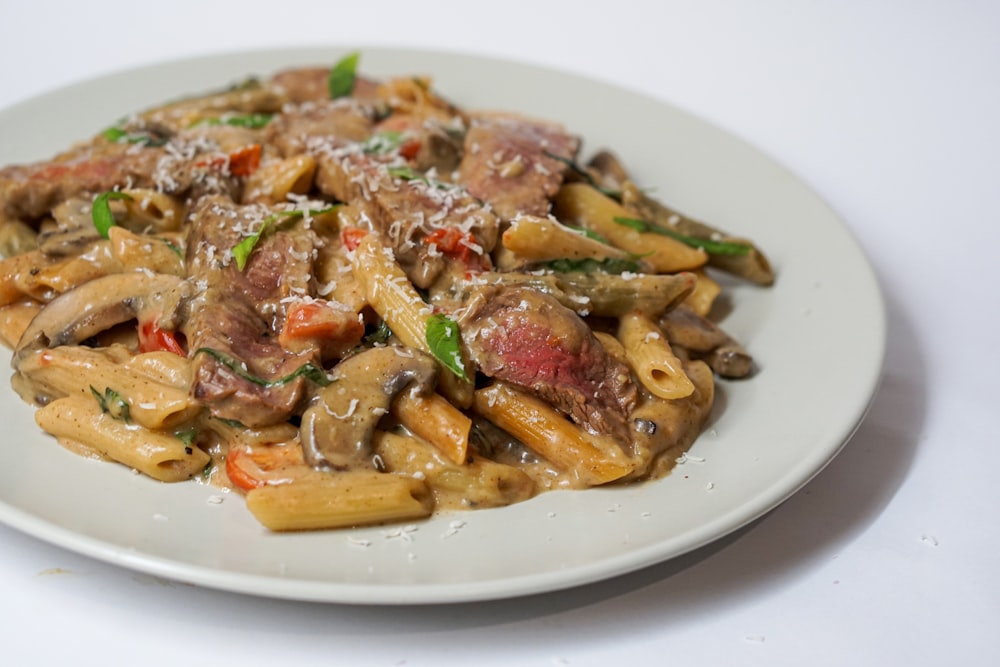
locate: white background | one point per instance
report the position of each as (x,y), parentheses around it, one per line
(890,111)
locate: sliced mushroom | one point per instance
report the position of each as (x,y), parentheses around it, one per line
(98,305)
(337,427)
(705,340)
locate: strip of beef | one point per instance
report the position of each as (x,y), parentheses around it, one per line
(531,340)
(508,162)
(345,119)
(311,84)
(30,191)
(422,218)
(239,314)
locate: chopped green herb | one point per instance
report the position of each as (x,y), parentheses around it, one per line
(308,370)
(407,173)
(253,121)
(242,250)
(381,335)
(101,214)
(187,436)
(591,264)
(112,403)
(383,142)
(590,234)
(342,76)
(116,134)
(443,341)
(709,246)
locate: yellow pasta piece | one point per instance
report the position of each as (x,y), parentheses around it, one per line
(16,272)
(148,209)
(340,500)
(274,180)
(437,421)
(703,296)
(541,239)
(651,357)
(160,455)
(591,459)
(15,318)
(479,482)
(586,207)
(71,370)
(136,251)
(67,273)
(391,294)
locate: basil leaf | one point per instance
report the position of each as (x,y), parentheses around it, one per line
(342,76)
(590,234)
(112,403)
(117,134)
(708,245)
(381,335)
(383,142)
(101,214)
(242,250)
(591,264)
(443,341)
(253,121)
(308,370)
(407,173)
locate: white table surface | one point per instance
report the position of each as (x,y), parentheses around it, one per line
(889,111)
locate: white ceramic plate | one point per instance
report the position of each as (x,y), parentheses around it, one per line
(818,337)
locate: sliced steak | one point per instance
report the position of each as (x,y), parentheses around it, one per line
(311,84)
(239,314)
(343,119)
(412,210)
(30,191)
(531,340)
(508,162)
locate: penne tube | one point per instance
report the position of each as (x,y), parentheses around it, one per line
(677,422)
(139,252)
(340,500)
(585,206)
(541,239)
(65,274)
(15,274)
(703,296)
(162,456)
(591,459)
(479,482)
(437,421)
(391,294)
(276,179)
(651,358)
(150,210)
(15,318)
(750,262)
(80,371)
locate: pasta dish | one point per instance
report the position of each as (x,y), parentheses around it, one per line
(353,302)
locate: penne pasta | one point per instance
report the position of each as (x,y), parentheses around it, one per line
(584,206)
(541,239)
(436,420)
(160,455)
(591,459)
(80,371)
(476,483)
(393,297)
(651,357)
(341,500)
